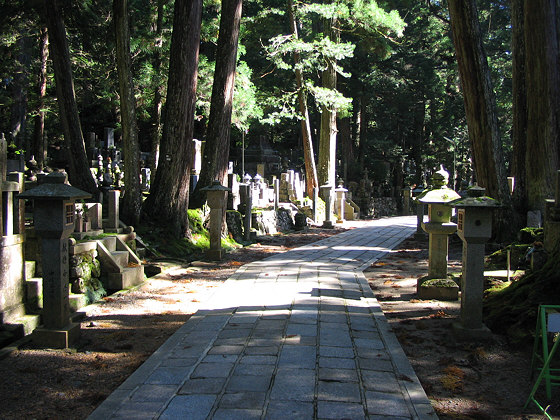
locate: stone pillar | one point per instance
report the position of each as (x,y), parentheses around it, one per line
(406,201)
(276,185)
(216,197)
(329,206)
(340,203)
(112,224)
(316,204)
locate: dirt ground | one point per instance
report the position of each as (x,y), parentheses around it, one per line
(463,381)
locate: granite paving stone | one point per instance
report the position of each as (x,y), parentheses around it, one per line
(236,414)
(339,410)
(192,407)
(202,386)
(338,391)
(247,399)
(252,383)
(282,410)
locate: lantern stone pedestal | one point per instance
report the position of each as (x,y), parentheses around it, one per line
(474,227)
(329,206)
(53,215)
(216,197)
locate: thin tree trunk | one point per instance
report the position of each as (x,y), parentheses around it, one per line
(79,174)
(132,201)
(309,156)
(519,112)
(326,170)
(168,201)
(480,103)
(216,150)
(158,91)
(38,146)
(362,133)
(542,87)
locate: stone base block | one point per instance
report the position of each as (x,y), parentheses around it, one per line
(471,334)
(77,301)
(327,224)
(128,277)
(56,339)
(439,289)
(34,293)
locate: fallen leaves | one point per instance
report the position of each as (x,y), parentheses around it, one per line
(453,378)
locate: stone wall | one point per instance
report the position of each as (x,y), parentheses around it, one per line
(379,207)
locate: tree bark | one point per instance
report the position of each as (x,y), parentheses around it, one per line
(216,150)
(18,121)
(168,201)
(132,200)
(309,156)
(38,145)
(79,174)
(542,86)
(326,170)
(158,89)
(480,103)
(519,112)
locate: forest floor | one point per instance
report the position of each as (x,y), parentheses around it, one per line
(463,381)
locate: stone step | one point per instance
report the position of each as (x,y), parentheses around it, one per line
(34,293)
(77,301)
(110,242)
(129,277)
(121,258)
(24,325)
(30,268)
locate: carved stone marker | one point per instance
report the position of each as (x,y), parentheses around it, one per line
(53,216)
(216,196)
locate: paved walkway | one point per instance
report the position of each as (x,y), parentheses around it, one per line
(295,336)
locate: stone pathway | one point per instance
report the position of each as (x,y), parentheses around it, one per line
(298,335)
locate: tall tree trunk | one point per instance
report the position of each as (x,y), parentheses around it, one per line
(168,201)
(362,132)
(38,146)
(158,88)
(542,85)
(519,112)
(216,150)
(19,92)
(326,170)
(309,157)
(79,174)
(346,149)
(480,103)
(132,200)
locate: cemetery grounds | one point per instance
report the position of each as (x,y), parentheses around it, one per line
(463,380)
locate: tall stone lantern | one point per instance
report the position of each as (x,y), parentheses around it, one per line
(474,227)
(439,225)
(53,216)
(216,197)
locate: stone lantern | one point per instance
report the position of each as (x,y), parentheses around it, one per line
(340,202)
(474,227)
(216,197)
(53,215)
(439,225)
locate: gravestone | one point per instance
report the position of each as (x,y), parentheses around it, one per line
(109,137)
(216,197)
(112,224)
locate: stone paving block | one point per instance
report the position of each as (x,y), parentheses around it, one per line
(380,403)
(294,385)
(380,381)
(258,360)
(251,383)
(192,407)
(338,391)
(339,410)
(226,350)
(237,333)
(331,351)
(154,393)
(284,410)
(339,375)
(212,370)
(374,417)
(300,340)
(262,350)
(220,358)
(179,362)
(203,386)
(247,400)
(185,350)
(236,414)
(254,370)
(370,352)
(309,330)
(168,375)
(298,356)
(336,338)
(333,317)
(270,334)
(336,363)
(265,342)
(137,410)
(366,335)
(369,343)
(379,363)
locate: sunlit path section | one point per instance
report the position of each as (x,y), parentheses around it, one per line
(295,336)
